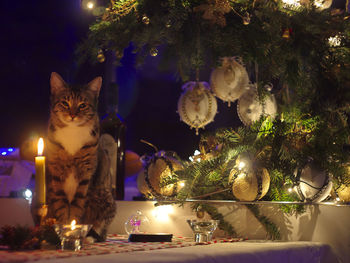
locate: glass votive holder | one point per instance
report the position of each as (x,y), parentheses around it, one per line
(203,230)
(72,236)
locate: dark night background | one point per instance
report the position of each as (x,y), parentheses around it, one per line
(40,36)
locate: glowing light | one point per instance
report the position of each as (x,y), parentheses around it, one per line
(3,153)
(90,5)
(196,152)
(241,165)
(27,194)
(337,199)
(10,149)
(40,146)
(73,224)
(334,41)
(162,212)
(182,184)
(290,189)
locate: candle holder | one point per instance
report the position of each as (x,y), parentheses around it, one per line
(39,213)
(203,230)
(72,236)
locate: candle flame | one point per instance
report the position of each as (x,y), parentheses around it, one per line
(40,146)
(73,224)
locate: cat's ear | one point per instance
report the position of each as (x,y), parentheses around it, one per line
(56,83)
(95,85)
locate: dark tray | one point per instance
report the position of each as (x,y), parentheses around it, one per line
(150,237)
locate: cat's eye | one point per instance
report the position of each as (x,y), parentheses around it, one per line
(82,106)
(65,104)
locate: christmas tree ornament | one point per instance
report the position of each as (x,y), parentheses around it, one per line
(250,182)
(246,19)
(100,56)
(118,54)
(250,108)
(343,193)
(230,80)
(312,183)
(214,11)
(145,20)
(168,24)
(197,106)
(323,4)
(158,168)
(153,52)
(286,34)
(137,223)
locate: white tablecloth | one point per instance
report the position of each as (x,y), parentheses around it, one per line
(240,252)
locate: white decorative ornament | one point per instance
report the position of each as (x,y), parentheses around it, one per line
(197,106)
(323,4)
(230,80)
(313,184)
(250,108)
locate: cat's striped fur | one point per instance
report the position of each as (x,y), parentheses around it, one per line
(79,183)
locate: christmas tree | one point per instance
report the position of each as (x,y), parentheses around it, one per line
(294,51)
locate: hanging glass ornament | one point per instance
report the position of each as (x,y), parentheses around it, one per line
(286,33)
(145,20)
(197,106)
(118,54)
(168,24)
(312,184)
(100,56)
(153,52)
(230,80)
(250,108)
(246,19)
(137,224)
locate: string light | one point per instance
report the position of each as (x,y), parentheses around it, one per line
(241,165)
(334,41)
(90,5)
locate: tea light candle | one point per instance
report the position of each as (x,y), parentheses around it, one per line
(40,185)
(72,235)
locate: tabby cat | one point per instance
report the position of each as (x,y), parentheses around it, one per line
(79,181)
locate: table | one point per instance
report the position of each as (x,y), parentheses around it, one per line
(188,252)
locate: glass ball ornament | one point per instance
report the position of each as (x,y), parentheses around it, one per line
(118,54)
(246,19)
(145,20)
(100,56)
(153,52)
(168,24)
(137,223)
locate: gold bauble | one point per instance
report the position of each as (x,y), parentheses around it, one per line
(153,52)
(344,190)
(246,183)
(200,214)
(286,34)
(344,193)
(145,20)
(100,56)
(156,171)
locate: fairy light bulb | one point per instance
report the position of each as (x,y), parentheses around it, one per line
(241,165)
(90,5)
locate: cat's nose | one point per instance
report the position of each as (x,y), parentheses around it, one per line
(73,116)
